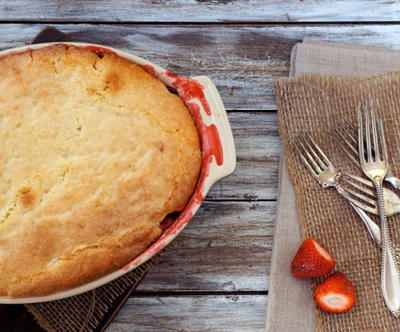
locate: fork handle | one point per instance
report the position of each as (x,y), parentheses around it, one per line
(372,228)
(390,273)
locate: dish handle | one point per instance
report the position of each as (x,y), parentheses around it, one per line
(219,118)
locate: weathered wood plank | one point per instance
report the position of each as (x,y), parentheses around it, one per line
(258,149)
(234,313)
(226,247)
(243,61)
(200,10)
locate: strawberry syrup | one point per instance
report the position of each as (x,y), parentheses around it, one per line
(188,90)
(97,49)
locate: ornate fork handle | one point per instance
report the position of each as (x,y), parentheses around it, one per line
(373,229)
(390,273)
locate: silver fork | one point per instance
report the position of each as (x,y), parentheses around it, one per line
(360,188)
(326,175)
(375,166)
(349,144)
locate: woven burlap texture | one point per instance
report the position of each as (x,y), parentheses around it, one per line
(316,104)
(85,312)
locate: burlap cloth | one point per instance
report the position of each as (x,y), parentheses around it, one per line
(90,311)
(314,103)
(93,310)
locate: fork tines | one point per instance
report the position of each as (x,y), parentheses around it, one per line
(357,190)
(348,143)
(311,154)
(359,193)
(373,149)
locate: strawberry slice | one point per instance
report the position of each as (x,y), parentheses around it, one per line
(312,260)
(336,294)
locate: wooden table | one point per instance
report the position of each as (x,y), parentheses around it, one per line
(215,276)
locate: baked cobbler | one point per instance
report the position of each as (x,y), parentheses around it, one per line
(95,152)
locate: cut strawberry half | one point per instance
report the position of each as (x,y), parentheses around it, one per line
(312,260)
(336,294)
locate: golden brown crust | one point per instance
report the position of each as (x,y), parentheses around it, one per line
(95,153)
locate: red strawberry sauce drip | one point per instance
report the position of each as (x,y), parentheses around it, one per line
(97,49)
(189,89)
(150,70)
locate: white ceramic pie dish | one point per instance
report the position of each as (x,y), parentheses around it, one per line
(218,154)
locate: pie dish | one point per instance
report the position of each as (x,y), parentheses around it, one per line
(96,153)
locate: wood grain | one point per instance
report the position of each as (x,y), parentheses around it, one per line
(226,247)
(244,61)
(200,10)
(232,313)
(258,149)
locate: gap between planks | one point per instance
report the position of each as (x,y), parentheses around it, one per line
(199,293)
(238,23)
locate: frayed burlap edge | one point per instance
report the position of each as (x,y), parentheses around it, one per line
(85,312)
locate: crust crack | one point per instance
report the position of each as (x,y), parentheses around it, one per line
(9,210)
(54,64)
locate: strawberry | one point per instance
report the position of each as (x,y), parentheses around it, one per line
(336,294)
(311,260)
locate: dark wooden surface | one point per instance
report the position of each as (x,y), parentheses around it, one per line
(214,277)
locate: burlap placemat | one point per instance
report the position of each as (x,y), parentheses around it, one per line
(90,311)
(93,310)
(314,103)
